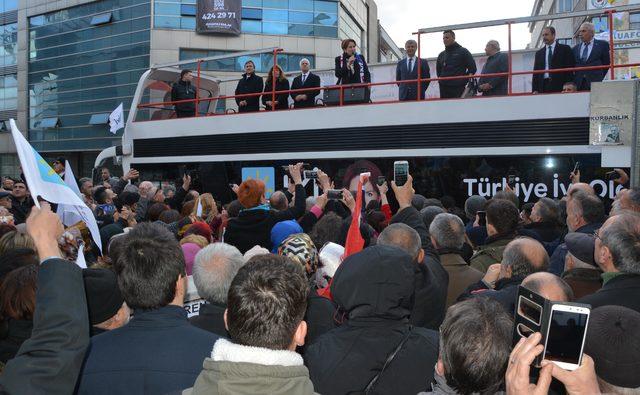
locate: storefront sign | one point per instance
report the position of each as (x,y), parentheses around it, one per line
(219,16)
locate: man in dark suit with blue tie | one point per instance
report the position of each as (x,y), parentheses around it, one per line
(305,80)
(590,52)
(407,69)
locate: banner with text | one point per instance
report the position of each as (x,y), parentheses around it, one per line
(219,16)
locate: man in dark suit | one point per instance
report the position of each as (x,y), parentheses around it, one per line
(550,57)
(158,351)
(590,52)
(305,80)
(407,69)
(617,252)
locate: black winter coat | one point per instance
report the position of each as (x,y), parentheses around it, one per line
(282,98)
(622,290)
(211,319)
(253,227)
(17,331)
(375,289)
(252,84)
(453,61)
(183,90)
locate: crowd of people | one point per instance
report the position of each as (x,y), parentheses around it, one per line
(454,63)
(311,294)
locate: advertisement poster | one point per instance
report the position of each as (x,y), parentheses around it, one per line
(219,16)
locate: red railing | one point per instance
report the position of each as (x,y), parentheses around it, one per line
(419,81)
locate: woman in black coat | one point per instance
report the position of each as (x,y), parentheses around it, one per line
(250,83)
(282,84)
(351,68)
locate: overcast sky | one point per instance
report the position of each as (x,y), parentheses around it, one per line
(400,18)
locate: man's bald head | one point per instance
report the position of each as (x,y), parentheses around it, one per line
(549,286)
(402,236)
(522,257)
(278,201)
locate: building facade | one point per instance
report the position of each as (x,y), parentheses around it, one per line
(66,64)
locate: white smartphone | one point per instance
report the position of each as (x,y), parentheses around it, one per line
(566,335)
(400,172)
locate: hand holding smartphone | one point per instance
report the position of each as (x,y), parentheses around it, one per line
(400,172)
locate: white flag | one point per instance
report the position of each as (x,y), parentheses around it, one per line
(199,209)
(80,261)
(116,119)
(71,215)
(44,182)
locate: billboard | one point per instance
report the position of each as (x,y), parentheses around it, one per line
(219,16)
(600,4)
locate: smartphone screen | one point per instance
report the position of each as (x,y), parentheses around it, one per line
(334,194)
(566,336)
(482,218)
(400,172)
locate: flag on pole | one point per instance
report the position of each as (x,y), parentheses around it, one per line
(71,215)
(355,241)
(44,182)
(116,119)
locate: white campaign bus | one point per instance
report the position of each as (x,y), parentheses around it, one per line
(455,147)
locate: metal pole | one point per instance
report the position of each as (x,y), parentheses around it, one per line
(510,81)
(419,68)
(273,80)
(198,89)
(611,52)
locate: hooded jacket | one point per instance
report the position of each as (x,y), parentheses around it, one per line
(375,289)
(234,369)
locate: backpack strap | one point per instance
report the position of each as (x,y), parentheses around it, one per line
(388,361)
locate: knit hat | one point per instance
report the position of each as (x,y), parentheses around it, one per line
(582,246)
(250,192)
(103,295)
(301,249)
(614,344)
(281,231)
(201,229)
(190,250)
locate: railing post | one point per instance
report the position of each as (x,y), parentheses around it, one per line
(510,80)
(611,51)
(419,68)
(273,80)
(341,95)
(198,89)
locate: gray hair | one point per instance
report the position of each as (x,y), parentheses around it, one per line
(168,188)
(304,60)
(622,237)
(525,256)
(448,231)
(147,189)
(401,236)
(589,26)
(474,204)
(414,42)
(495,44)
(214,268)
(83,180)
(548,210)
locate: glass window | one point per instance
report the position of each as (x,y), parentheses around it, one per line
(300,17)
(325,31)
(188,9)
(252,3)
(10,5)
(50,122)
(566,41)
(634,21)
(99,119)
(323,18)
(326,6)
(167,9)
(301,30)
(274,28)
(601,24)
(275,3)
(167,22)
(251,26)
(275,15)
(252,13)
(301,5)
(101,19)
(565,5)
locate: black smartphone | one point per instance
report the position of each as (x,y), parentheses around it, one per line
(400,172)
(482,218)
(381,180)
(334,194)
(310,174)
(613,175)
(511,181)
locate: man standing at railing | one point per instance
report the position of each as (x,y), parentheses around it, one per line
(550,57)
(497,62)
(183,90)
(590,52)
(306,79)
(250,83)
(455,60)
(407,69)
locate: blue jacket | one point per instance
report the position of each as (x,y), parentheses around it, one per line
(599,56)
(158,352)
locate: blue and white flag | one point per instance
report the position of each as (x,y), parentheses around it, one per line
(44,182)
(116,119)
